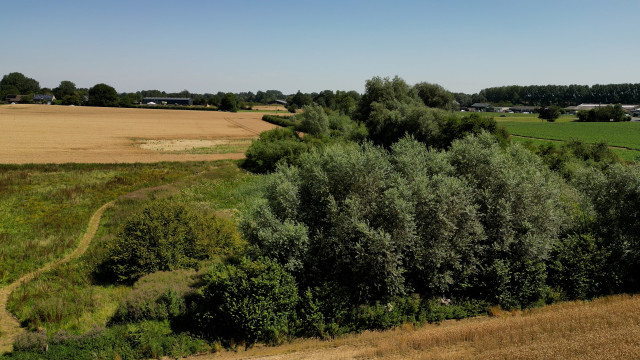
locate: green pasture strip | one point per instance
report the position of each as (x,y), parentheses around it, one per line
(70,298)
(620,134)
(232,147)
(626,155)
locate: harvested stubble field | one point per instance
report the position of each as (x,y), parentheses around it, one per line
(66,134)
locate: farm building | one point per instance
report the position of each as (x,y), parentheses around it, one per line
(14,98)
(278,102)
(480,107)
(40,98)
(523,109)
(593,106)
(167,101)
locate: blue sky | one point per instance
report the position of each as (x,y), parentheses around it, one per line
(211,46)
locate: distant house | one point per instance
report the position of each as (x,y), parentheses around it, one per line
(167,101)
(278,102)
(40,98)
(480,107)
(14,98)
(501,109)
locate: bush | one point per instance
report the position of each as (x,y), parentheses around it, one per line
(166,236)
(158,296)
(314,120)
(247,302)
(229,102)
(142,340)
(578,267)
(603,114)
(272,147)
(284,121)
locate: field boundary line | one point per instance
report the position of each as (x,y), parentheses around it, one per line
(557,140)
(9,326)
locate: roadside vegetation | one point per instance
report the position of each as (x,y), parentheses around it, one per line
(392,212)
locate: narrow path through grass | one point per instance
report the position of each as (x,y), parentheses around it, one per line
(9,325)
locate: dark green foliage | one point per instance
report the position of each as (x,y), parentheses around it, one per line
(142,340)
(158,296)
(603,114)
(103,95)
(273,146)
(390,109)
(326,314)
(16,83)
(476,221)
(578,267)
(299,100)
(435,96)
(562,95)
(314,120)
(247,302)
(341,126)
(284,121)
(386,92)
(229,102)
(166,236)
(521,208)
(66,88)
(570,157)
(615,195)
(549,113)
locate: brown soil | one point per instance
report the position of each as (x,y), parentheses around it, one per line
(63,134)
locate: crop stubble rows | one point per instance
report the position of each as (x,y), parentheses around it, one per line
(63,134)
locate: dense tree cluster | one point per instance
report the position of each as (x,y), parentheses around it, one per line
(390,109)
(16,84)
(563,95)
(603,114)
(381,224)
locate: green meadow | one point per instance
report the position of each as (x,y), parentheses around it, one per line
(623,137)
(48,207)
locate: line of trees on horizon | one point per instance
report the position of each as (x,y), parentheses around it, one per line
(344,101)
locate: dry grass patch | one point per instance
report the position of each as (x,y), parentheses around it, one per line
(195,146)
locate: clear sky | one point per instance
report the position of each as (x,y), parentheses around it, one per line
(210,46)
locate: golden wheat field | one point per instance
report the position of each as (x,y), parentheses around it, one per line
(606,328)
(68,134)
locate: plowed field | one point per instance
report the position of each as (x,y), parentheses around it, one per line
(67,134)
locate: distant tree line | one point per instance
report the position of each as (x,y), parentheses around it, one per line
(561,95)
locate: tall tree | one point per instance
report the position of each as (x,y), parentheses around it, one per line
(66,88)
(17,81)
(103,95)
(434,95)
(229,102)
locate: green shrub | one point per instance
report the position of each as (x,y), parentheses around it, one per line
(158,296)
(578,267)
(142,340)
(284,121)
(272,147)
(314,120)
(247,302)
(166,236)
